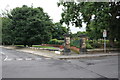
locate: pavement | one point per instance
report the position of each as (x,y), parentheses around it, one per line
(56,54)
(19,64)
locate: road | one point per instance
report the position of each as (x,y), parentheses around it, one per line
(16,64)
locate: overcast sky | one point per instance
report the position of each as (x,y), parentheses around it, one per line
(49,6)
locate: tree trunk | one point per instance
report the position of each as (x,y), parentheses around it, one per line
(24,45)
(30,45)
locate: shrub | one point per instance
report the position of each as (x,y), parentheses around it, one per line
(75,43)
(88,46)
(56,42)
(96,45)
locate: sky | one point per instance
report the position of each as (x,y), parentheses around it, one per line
(49,6)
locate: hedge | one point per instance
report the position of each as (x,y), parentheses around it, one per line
(56,42)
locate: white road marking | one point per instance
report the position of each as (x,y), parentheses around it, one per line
(38,58)
(28,59)
(8,59)
(19,59)
(2,53)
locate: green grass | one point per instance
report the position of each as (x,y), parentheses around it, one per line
(48,47)
(38,46)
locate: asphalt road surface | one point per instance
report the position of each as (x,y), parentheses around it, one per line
(16,64)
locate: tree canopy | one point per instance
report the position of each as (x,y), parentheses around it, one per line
(29,25)
(58,31)
(6,31)
(97,15)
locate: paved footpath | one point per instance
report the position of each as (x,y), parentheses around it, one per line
(52,54)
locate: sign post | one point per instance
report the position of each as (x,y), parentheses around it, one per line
(105,35)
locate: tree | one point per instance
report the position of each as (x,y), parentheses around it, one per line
(77,35)
(106,16)
(58,31)
(6,31)
(30,25)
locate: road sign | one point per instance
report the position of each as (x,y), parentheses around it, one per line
(104,33)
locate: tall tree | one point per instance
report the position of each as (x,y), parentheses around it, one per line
(30,25)
(58,31)
(6,31)
(106,16)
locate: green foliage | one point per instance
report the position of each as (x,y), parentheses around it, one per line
(56,42)
(98,43)
(117,44)
(0,30)
(95,43)
(75,43)
(88,46)
(6,31)
(48,47)
(58,31)
(97,15)
(29,25)
(76,35)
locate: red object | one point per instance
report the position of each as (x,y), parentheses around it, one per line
(59,46)
(74,48)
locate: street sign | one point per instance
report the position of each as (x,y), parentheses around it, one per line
(104,33)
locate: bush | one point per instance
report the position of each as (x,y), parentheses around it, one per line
(95,43)
(75,43)
(88,46)
(56,42)
(118,45)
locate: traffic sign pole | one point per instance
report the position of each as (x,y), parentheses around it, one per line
(104,44)
(105,35)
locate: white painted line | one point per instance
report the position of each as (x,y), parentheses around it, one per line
(19,59)
(6,57)
(38,58)
(9,59)
(28,59)
(2,53)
